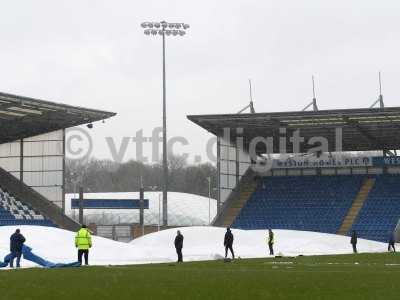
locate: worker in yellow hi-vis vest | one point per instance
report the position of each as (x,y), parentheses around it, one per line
(83,241)
(271,242)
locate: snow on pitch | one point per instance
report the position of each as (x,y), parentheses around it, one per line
(201,243)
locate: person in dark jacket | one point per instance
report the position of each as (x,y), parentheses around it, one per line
(392,241)
(228,242)
(179,245)
(353,241)
(16,242)
(271,242)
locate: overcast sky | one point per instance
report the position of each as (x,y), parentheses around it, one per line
(94,54)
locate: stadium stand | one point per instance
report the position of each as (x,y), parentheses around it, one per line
(321,203)
(314,203)
(15,212)
(32,158)
(380,213)
(32,198)
(349,184)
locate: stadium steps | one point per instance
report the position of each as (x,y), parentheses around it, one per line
(244,195)
(237,200)
(40,203)
(356,206)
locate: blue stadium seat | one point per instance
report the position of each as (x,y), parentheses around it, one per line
(15,212)
(320,203)
(311,203)
(381,211)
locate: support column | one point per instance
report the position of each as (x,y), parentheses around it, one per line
(141,207)
(81,205)
(63,173)
(218,175)
(21,160)
(237,165)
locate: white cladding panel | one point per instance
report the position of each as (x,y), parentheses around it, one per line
(10,149)
(42,163)
(10,164)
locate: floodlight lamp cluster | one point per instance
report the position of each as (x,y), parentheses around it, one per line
(161,28)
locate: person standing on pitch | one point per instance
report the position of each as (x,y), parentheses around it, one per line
(228,242)
(16,242)
(392,240)
(83,241)
(271,242)
(179,245)
(353,241)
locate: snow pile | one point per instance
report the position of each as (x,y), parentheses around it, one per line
(58,245)
(207,243)
(200,243)
(183,209)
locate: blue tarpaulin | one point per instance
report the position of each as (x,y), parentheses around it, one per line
(29,255)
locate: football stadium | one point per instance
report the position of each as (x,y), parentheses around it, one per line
(314,177)
(129,171)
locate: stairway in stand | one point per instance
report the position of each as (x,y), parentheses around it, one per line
(246,190)
(356,206)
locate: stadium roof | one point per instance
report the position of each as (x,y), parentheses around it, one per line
(362,129)
(22,117)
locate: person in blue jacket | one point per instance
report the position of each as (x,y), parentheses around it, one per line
(16,242)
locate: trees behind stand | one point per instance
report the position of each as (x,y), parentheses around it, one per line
(108,176)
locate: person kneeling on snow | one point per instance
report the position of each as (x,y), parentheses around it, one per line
(83,241)
(16,242)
